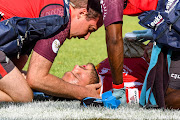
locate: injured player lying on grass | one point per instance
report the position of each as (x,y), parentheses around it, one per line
(136,62)
(134,71)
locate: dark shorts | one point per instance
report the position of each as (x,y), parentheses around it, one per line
(175,72)
(6,65)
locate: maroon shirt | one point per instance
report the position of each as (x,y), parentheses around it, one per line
(134,70)
(48,48)
(112,11)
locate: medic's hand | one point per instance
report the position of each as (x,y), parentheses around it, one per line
(119,91)
(93,89)
(144,34)
(141,35)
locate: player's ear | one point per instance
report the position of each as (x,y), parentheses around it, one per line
(82,13)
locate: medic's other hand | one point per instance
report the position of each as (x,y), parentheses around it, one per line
(93,89)
(119,91)
(143,34)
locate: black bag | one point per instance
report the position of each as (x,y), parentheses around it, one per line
(16,31)
(165,23)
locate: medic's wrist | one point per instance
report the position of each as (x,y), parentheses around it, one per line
(118,86)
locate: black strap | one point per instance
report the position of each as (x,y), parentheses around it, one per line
(66,11)
(1,15)
(161,5)
(125,3)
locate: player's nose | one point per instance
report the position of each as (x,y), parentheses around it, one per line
(76,67)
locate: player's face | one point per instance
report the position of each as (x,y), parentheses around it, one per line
(82,28)
(80,75)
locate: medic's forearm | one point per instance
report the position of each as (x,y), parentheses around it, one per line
(115,50)
(55,86)
(39,78)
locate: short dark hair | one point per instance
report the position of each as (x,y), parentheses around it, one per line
(93,7)
(94,75)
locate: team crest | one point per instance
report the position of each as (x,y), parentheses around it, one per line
(56,45)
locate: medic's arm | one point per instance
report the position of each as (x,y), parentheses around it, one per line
(115,48)
(112,16)
(40,79)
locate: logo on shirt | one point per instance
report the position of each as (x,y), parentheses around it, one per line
(104,70)
(170,5)
(103,8)
(56,45)
(126,69)
(133,96)
(175,76)
(158,20)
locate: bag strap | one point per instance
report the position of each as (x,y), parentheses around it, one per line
(161,5)
(66,11)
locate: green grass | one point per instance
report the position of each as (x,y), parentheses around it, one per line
(131,23)
(93,50)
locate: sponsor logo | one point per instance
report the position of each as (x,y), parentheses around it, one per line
(52,11)
(170,5)
(103,8)
(133,96)
(104,70)
(158,20)
(126,69)
(132,100)
(56,45)
(175,76)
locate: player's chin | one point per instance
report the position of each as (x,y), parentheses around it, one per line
(69,38)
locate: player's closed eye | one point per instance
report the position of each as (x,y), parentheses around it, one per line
(91,29)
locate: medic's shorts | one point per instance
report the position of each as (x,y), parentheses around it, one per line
(6,65)
(175,71)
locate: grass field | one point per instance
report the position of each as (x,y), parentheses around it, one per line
(80,52)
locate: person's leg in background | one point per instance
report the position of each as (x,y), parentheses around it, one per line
(172,98)
(13,86)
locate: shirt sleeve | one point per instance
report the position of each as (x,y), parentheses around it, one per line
(112,11)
